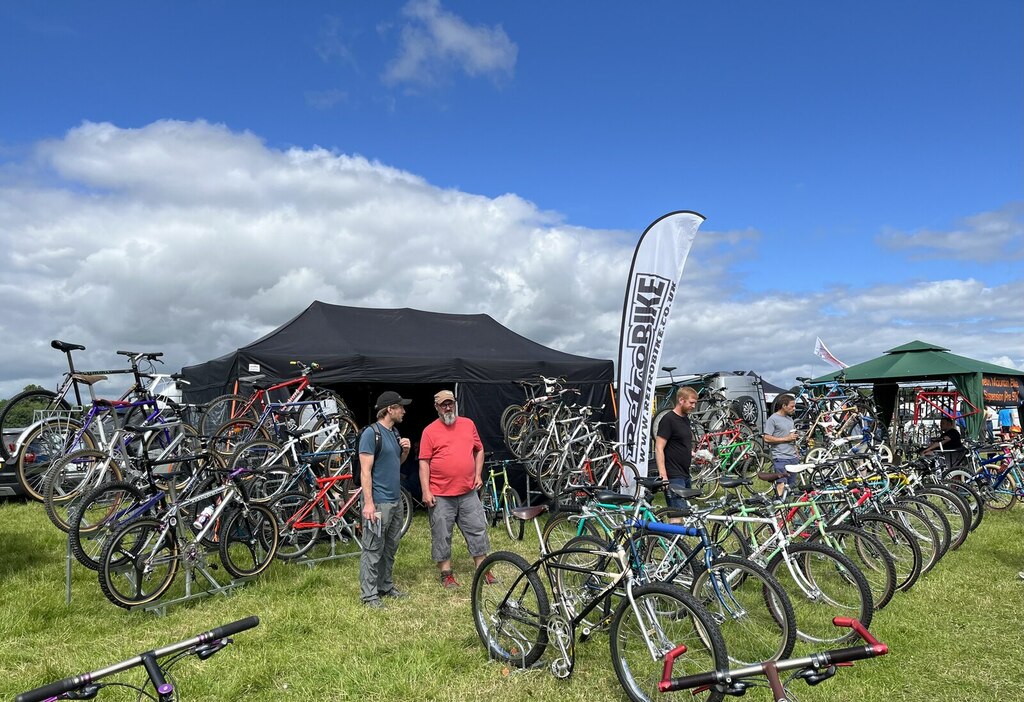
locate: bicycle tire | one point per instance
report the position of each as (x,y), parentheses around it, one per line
(55,440)
(21,409)
(674,617)
(296,542)
(935,517)
(580,571)
(901,545)
(753,612)
(234,433)
(562,526)
(220,410)
(971,497)
(822,585)
(405,504)
(510,615)
(69,478)
(131,558)
(868,554)
(922,530)
(506,414)
(270,469)
(514,526)
(956,511)
(1003,497)
(247,540)
(102,511)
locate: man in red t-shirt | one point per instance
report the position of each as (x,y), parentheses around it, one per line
(451,466)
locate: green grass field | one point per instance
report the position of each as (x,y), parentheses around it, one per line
(958,635)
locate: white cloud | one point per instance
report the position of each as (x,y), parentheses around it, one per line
(435,42)
(192,239)
(986,237)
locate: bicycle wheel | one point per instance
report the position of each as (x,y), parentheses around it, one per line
(139,563)
(562,526)
(223,409)
(1001,494)
(971,497)
(405,504)
(956,511)
(69,478)
(269,467)
(509,501)
(294,541)
(822,584)
(20,411)
(45,444)
(661,617)
(234,433)
(580,573)
(248,540)
(901,545)
(101,512)
(511,613)
(868,554)
(753,612)
(923,532)
(506,414)
(488,502)
(934,516)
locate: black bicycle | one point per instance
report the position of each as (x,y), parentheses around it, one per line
(86,686)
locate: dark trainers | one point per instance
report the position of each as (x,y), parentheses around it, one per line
(375,604)
(489,579)
(395,594)
(448,581)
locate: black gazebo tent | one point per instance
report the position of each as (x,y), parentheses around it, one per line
(363,351)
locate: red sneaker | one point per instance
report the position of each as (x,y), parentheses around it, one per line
(489,579)
(448,581)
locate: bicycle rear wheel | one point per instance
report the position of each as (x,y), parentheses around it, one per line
(510,613)
(138,564)
(901,545)
(295,542)
(248,540)
(221,410)
(662,617)
(868,554)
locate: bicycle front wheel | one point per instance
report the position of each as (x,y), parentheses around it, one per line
(139,564)
(44,445)
(102,512)
(248,540)
(69,479)
(513,526)
(823,584)
(752,610)
(661,617)
(510,612)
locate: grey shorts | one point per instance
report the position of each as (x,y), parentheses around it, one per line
(468,513)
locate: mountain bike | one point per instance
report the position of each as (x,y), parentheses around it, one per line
(158,672)
(499,498)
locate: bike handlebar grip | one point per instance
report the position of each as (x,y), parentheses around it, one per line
(712,677)
(233,628)
(855,653)
(52,690)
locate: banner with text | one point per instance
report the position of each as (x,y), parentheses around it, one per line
(1002,390)
(657,266)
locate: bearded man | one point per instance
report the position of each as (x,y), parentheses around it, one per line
(451,468)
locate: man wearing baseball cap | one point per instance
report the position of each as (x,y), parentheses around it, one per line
(380,479)
(451,465)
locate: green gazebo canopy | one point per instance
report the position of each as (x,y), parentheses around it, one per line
(919,361)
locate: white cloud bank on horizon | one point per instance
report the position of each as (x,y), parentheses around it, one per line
(193,239)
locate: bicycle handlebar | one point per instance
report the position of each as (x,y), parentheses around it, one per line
(60,687)
(816,660)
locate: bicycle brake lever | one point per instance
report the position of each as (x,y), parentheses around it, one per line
(814,676)
(86,693)
(205,651)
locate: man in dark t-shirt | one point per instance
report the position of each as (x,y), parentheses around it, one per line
(673,446)
(949,439)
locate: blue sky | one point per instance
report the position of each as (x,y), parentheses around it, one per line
(844,155)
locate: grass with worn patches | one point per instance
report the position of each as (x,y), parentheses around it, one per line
(956,636)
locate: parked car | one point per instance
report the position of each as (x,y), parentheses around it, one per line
(9,484)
